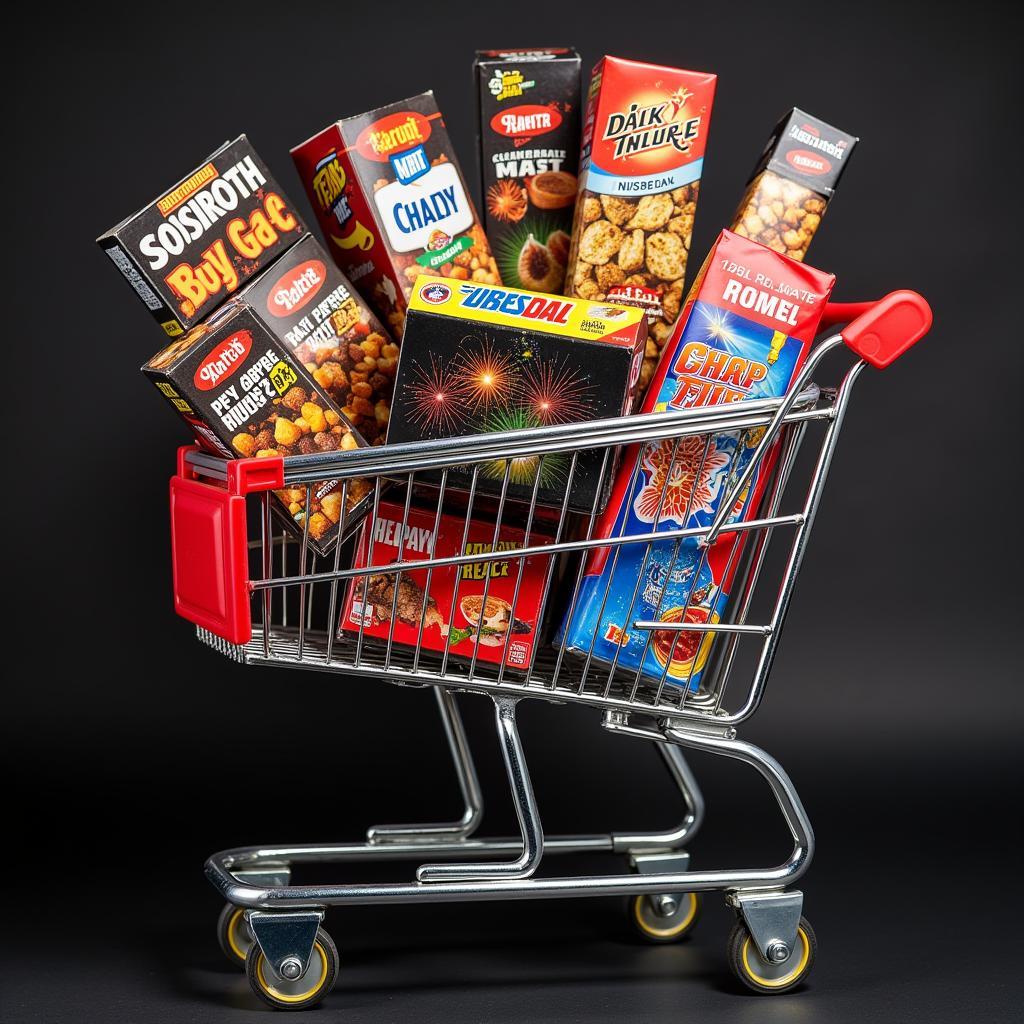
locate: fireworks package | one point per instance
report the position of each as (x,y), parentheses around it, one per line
(528,103)
(478,359)
(393,203)
(189,250)
(746,329)
(491,607)
(642,156)
(235,385)
(792,183)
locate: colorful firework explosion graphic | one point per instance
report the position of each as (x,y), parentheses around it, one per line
(437,400)
(486,376)
(553,392)
(550,469)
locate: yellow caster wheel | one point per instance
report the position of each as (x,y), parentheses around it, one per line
(758,974)
(234,934)
(294,993)
(663,918)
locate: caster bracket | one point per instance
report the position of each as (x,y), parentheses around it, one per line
(286,939)
(773,920)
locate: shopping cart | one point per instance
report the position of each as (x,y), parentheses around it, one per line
(270,601)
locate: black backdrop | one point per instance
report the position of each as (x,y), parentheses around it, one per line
(131,752)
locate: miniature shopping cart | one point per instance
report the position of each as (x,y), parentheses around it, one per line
(262,597)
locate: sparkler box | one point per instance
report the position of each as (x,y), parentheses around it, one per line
(490,608)
(187,251)
(477,359)
(745,331)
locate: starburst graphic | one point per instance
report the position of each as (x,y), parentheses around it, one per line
(485,376)
(554,393)
(719,325)
(437,401)
(523,471)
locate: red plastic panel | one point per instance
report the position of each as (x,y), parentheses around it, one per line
(209,558)
(247,476)
(892,325)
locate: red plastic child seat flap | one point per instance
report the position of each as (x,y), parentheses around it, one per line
(209,558)
(889,327)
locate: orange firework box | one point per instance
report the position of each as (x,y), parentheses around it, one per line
(644,136)
(393,203)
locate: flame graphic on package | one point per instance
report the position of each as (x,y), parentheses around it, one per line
(685,492)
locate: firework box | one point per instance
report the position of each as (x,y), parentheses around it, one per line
(478,359)
(187,251)
(242,395)
(393,203)
(446,609)
(644,135)
(745,331)
(528,107)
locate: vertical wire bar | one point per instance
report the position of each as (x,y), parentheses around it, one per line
(332,609)
(677,544)
(462,551)
(365,577)
(284,572)
(312,593)
(584,558)
(624,632)
(430,570)
(267,538)
(303,550)
(397,576)
(490,568)
(519,574)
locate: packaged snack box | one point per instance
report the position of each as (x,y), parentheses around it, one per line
(492,607)
(310,306)
(528,104)
(236,386)
(393,203)
(791,186)
(747,327)
(185,253)
(479,359)
(644,135)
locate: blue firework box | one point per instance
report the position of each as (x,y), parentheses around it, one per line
(744,334)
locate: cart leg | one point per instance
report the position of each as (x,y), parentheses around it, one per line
(526,810)
(469,784)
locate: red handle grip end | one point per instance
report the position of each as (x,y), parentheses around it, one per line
(882,333)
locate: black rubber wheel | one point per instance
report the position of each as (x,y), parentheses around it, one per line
(771,979)
(659,928)
(302,993)
(234,934)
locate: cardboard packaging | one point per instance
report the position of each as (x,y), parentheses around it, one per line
(393,203)
(448,611)
(238,389)
(644,137)
(478,359)
(792,184)
(528,110)
(187,251)
(746,329)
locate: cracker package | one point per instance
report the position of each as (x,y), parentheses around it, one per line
(792,183)
(489,608)
(478,359)
(644,135)
(746,329)
(393,203)
(236,386)
(186,252)
(528,105)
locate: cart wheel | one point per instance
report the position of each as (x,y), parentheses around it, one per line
(303,992)
(234,934)
(747,964)
(670,921)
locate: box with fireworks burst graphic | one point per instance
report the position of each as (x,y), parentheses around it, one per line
(477,359)
(528,104)
(745,331)
(487,608)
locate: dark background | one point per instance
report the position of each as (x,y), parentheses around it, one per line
(131,752)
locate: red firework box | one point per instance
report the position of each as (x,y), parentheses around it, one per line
(744,333)
(642,156)
(393,203)
(491,606)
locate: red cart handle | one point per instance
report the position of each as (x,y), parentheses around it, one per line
(881,331)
